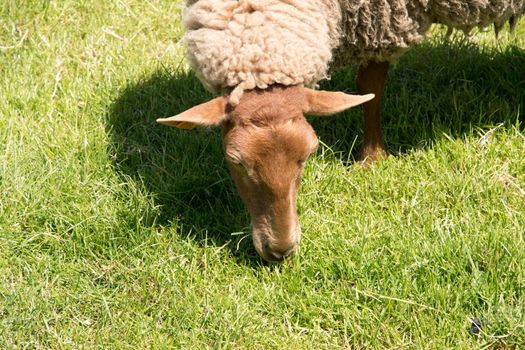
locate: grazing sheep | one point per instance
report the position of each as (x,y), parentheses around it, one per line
(272,49)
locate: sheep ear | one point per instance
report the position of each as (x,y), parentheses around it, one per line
(330,102)
(206,114)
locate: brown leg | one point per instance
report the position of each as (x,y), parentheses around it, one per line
(371,79)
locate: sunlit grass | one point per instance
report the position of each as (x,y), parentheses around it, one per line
(116,232)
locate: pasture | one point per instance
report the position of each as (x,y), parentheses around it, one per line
(117,232)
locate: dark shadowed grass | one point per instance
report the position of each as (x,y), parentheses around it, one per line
(184,169)
(425,100)
(116,232)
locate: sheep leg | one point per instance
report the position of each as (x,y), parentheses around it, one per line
(371,79)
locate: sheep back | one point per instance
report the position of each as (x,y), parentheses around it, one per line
(382,30)
(467,14)
(244,44)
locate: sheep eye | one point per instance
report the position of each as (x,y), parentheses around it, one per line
(238,164)
(233,161)
(233,158)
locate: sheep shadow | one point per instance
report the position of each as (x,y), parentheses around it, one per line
(434,89)
(437,88)
(183,170)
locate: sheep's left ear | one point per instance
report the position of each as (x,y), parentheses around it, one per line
(331,102)
(206,114)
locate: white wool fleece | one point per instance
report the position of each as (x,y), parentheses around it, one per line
(246,44)
(255,43)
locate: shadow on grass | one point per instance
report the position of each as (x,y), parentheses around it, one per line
(184,170)
(448,88)
(439,88)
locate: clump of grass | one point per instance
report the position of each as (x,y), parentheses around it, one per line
(117,232)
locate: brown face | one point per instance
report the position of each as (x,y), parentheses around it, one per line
(267,141)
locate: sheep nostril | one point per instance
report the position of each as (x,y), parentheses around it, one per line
(274,256)
(290,252)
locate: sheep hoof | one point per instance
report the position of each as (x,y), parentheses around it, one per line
(369,156)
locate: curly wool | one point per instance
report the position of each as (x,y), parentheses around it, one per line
(382,30)
(256,43)
(245,44)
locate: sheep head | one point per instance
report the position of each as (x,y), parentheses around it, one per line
(267,141)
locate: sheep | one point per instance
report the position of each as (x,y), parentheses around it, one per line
(265,55)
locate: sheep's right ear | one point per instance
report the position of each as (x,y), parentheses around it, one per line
(332,102)
(206,114)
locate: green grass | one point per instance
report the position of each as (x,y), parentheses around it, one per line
(116,232)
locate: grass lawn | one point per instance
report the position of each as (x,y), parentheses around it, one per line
(116,232)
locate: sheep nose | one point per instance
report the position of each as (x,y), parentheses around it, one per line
(277,255)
